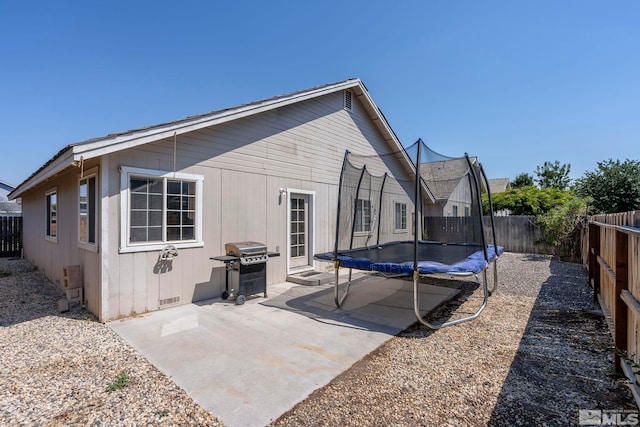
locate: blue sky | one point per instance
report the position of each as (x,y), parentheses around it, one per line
(516,83)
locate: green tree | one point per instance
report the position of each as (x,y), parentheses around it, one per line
(553,175)
(527,200)
(522,180)
(614,186)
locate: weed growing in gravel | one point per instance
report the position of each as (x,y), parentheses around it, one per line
(163,413)
(5,273)
(630,359)
(122,380)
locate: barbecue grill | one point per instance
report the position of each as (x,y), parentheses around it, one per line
(245,269)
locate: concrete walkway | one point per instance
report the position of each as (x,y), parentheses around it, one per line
(249,364)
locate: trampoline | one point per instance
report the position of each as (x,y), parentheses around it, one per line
(451,234)
(433,258)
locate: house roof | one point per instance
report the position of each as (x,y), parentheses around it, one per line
(73,154)
(10,208)
(442,177)
(6,186)
(499,185)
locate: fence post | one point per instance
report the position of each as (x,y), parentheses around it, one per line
(622,282)
(594,252)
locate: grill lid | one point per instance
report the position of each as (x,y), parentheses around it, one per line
(245,248)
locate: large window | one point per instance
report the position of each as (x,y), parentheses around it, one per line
(87,211)
(52,214)
(363,216)
(401,217)
(160,208)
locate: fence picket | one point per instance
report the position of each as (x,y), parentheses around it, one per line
(10,236)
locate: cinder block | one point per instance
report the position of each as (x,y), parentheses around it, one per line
(72,276)
(63,305)
(74,294)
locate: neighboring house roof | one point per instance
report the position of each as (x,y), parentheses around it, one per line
(442,177)
(6,186)
(499,185)
(5,189)
(72,154)
(10,208)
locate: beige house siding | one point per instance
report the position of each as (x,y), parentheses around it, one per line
(460,197)
(245,163)
(51,257)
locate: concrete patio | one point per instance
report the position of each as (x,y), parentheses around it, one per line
(249,364)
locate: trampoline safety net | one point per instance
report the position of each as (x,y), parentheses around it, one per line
(440,207)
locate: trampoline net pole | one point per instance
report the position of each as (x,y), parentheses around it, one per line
(416,209)
(340,183)
(355,210)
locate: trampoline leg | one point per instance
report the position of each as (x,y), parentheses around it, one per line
(495,278)
(416,304)
(336,295)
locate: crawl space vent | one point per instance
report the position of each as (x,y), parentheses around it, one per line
(167,301)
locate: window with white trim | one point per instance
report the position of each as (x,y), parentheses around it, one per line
(52,214)
(455,210)
(363,216)
(401,217)
(87,210)
(159,208)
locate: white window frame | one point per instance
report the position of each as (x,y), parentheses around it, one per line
(126,172)
(364,231)
(52,239)
(406,222)
(91,173)
(454,210)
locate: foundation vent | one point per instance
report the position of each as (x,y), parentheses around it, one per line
(168,301)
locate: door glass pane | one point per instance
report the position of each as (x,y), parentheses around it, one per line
(298,217)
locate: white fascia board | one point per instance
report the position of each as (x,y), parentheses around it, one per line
(58,165)
(107,146)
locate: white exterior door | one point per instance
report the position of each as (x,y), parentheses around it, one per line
(300,232)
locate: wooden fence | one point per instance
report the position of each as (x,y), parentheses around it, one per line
(514,233)
(611,254)
(10,236)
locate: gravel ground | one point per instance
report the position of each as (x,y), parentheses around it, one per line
(55,369)
(535,356)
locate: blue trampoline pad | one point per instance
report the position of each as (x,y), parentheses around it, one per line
(433,257)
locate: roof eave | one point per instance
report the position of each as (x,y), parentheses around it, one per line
(61,161)
(109,145)
(73,153)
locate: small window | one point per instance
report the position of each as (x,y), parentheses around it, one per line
(401,217)
(348,100)
(52,215)
(363,216)
(87,210)
(455,210)
(466,211)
